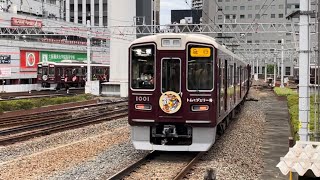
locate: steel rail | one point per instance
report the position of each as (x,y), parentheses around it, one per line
(50,123)
(186,169)
(62,126)
(124,172)
(63,109)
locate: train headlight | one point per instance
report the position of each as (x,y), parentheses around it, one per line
(171,42)
(145,107)
(199,107)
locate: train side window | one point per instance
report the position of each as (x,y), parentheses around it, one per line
(143,67)
(51,70)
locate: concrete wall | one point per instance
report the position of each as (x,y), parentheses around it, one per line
(19,88)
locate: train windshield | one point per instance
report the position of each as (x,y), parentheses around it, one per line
(142,67)
(39,70)
(200,68)
(171,75)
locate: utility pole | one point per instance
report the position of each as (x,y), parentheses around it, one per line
(88,83)
(274,70)
(304,65)
(282,68)
(265,70)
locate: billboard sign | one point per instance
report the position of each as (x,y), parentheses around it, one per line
(5,72)
(48,56)
(5,59)
(29,60)
(25,22)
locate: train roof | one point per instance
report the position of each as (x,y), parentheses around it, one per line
(200,38)
(66,63)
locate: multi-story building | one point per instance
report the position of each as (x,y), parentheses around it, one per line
(254,11)
(189,16)
(17,48)
(197,4)
(147,12)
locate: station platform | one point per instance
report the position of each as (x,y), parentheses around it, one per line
(276,134)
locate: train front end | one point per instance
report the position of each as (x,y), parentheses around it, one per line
(172,93)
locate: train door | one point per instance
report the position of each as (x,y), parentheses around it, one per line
(219,88)
(170,83)
(226,69)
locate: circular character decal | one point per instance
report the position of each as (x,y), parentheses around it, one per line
(31,59)
(170,102)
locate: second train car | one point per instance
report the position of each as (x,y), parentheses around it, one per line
(183,89)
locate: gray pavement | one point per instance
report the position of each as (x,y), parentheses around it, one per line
(277,131)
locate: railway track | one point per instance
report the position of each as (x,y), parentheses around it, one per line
(38,94)
(18,129)
(163,165)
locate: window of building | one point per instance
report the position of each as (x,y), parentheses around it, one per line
(257,7)
(242,16)
(264,7)
(257,16)
(264,41)
(249,41)
(288,71)
(281,6)
(234,16)
(280,15)
(227,16)
(297,6)
(272,41)
(242,8)
(288,41)
(219,16)
(256,41)
(288,34)
(289,6)
(249,7)
(273,7)
(219,0)
(249,15)
(227,8)
(249,34)
(273,16)
(235,7)
(263,68)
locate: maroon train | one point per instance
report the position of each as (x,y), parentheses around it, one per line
(183,89)
(69,73)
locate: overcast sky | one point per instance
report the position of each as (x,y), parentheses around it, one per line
(167,5)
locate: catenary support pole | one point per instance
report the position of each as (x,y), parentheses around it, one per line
(88,55)
(304,78)
(265,70)
(282,68)
(274,70)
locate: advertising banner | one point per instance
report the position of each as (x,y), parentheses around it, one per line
(29,60)
(25,22)
(5,59)
(48,56)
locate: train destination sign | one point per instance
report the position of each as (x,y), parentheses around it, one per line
(5,59)
(200,52)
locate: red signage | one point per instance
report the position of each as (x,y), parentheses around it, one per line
(29,60)
(25,22)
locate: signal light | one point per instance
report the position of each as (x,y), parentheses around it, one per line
(145,107)
(199,107)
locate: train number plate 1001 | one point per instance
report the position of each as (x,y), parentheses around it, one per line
(142,98)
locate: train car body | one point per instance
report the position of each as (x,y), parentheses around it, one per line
(183,87)
(69,73)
